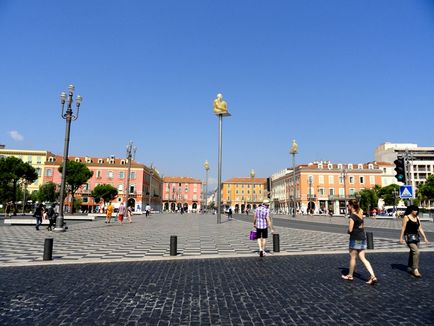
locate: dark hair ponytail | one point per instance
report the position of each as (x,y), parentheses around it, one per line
(354,204)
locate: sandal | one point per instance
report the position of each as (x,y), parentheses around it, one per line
(372,280)
(347,277)
(416,273)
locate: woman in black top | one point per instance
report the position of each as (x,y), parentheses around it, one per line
(411,228)
(357,245)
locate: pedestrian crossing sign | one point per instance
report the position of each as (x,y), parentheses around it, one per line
(406,192)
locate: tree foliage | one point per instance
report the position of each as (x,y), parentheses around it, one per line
(105,192)
(386,193)
(12,172)
(368,199)
(47,192)
(77,174)
(426,189)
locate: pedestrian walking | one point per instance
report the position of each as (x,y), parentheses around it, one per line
(262,222)
(39,211)
(8,209)
(229,213)
(357,245)
(121,213)
(130,213)
(51,213)
(108,213)
(411,228)
(148,210)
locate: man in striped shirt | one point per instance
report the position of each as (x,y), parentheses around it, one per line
(261,222)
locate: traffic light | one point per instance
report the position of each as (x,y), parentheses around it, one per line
(400,169)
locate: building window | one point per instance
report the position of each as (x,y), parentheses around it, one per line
(341,180)
(38,160)
(320,166)
(350,166)
(132,175)
(351,180)
(370,166)
(352,191)
(84,199)
(121,175)
(321,191)
(132,189)
(362,180)
(48,172)
(29,159)
(339,166)
(98,174)
(371,179)
(341,192)
(331,191)
(331,179)
(120,187)
(330,166)
(360,166)
(110,174)
(86,186)
(321,179)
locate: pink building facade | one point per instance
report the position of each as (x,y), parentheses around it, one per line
(182,192)
(144,186)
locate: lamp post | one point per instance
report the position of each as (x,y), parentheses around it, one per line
(131,152)
(344,173)
(151,175)
(205,195)
(293,151)
(309,205)
(69,116)
(220,110)
(24,197)
(252,175)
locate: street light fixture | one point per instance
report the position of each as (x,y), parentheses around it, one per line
(220,110)
(293,151)
(252,175)
(131,153)
(344,173)
(151,175)
(69,116)
(205,195)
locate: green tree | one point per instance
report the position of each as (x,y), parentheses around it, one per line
(47,192)
(12,172)
(426,189)
(368,199)
(105,192)
(77,174)
(386,193)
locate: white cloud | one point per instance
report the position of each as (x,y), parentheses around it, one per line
(15,135)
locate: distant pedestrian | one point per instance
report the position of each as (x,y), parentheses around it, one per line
(108,213)
(357,244)
(230,213)
(148,210)
(8,209)
(411,228)
(39,211)
(51,213)
(130,213)
(262,222)
(121,213)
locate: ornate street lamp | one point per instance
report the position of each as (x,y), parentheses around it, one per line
(205,195)
(252,175)
(220,110)
(293,151)
(131,153)
(344,173)
(151,175)
(69,116)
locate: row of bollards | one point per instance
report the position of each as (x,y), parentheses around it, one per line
(48,245)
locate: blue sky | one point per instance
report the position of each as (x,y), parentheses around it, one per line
(341,77)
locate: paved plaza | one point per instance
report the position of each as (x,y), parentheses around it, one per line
(149,238)
(111,274)
(286,290)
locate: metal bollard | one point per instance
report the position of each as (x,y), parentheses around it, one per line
(48,249)
(173,245)
(276,242)
(370,240)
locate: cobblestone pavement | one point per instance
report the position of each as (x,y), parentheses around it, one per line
(286,290)
(149,238)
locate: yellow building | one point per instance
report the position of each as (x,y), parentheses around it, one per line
(237,193)
(34,157)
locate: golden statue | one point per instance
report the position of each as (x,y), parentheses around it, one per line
(294,147)
(220,106)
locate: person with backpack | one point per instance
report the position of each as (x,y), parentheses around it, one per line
(39,211)
(51,213)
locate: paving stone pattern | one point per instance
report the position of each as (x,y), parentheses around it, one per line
(285,290)
(150,237)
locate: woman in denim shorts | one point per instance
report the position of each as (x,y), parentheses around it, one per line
(357,245)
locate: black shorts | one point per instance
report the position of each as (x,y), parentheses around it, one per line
(262,233)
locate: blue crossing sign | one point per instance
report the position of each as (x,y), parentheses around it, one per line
(406,192)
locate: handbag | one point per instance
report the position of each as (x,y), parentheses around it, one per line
(413,238)
(253,235)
